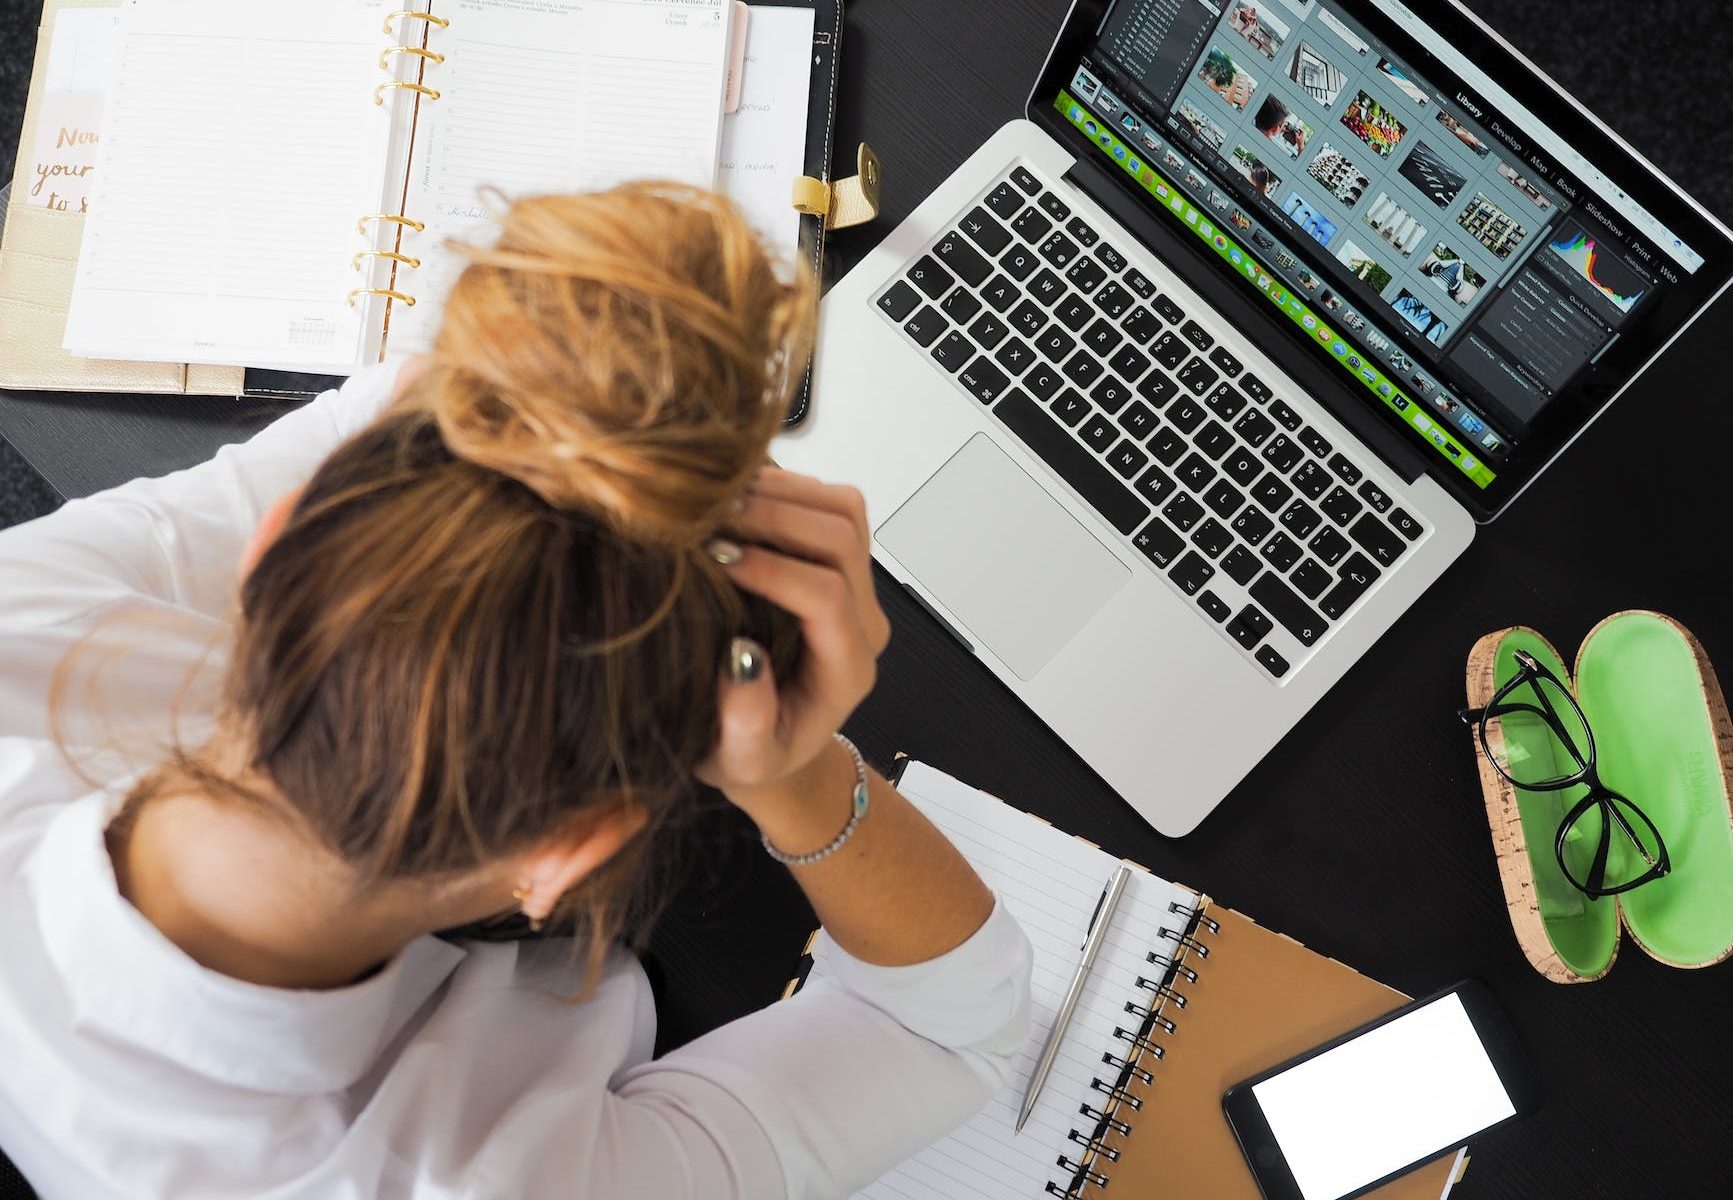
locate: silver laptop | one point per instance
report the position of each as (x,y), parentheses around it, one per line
(1177,394)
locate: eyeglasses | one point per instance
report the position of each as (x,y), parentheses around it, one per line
(1514,731)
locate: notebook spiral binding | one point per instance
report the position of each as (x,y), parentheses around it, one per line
(1131,1064)
(400,24)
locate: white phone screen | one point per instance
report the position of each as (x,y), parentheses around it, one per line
(1398,1094)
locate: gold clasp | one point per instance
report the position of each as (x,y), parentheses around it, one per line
(847,202)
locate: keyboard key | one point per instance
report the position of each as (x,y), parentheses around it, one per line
(1257,389)
(1183,511)
(1282,454)
(952,351)
(1055,207)
(1055,446)
(1250,627)
(1197,375)
(1157,387)
(1046,287)
(1114,260)
(960,305)
(1111,394)
(986,232)
(956,253)
(1224,498)
(1254,428)
(1086,275)
(930,277)
(1023,179)
(1212,537)
(1070,407)
(1310,579)
(1213,440)
(1214,605)
(1314,441)
(1073,312)
(1082,232)
(1167,310)
(1330,545)
(1242,466)
(1004,200)
(1272,662)
(1375,496)
(1098,433)
(1405,525)
(1282,552)
(1311,480)
(1253,526)
(1155,485)
(1285,416)
(1271,492)
(1031,226)
(1345,470)
(1300,518)
(1167,445)
(1058,250)
(1194,333)
(900,301)
(1128,363)
(1225,362)
(1226,402)
(1028,318)
(1082,370)
(1126,459)
(1170,350)
(1359,570)
(1019,261)
(1000,292)
(1015,356)
(1340,505)
(1114,301)
(1138,420)
(1349,588)
(1240,565)
(1141,325)
(1159,543)
(982,380)
(1102,337)
(1042,380)
(926,325)
(1055,343)
(1380,541)
(1191,573)
(1139,283)
(1196,472)
(988,331)
(1290,611)
(1186,413)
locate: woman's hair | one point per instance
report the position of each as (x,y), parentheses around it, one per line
(491,613)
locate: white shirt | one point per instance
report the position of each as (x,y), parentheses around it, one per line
(127,1070)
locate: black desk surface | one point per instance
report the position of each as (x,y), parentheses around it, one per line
(1363,834)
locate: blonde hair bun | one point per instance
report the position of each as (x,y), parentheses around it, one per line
(628,352)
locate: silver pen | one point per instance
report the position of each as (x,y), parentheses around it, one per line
(1091,948)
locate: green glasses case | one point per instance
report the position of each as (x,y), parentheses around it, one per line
(1663,740)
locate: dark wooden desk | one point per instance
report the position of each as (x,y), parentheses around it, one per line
(1363,834)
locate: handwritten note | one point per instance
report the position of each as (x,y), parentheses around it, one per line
(81,57)
(764,142)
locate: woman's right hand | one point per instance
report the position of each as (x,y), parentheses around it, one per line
(806,547)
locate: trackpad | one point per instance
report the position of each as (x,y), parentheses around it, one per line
(1019,571)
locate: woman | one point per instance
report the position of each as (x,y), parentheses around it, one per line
(496,613)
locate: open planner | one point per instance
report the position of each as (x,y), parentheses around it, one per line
(1186,999)
(280,193)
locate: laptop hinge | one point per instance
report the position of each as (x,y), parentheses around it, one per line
(1245,313)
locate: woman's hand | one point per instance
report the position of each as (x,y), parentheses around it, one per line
(806,547)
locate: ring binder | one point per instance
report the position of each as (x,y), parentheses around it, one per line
(429,55)
(406,260)
(388,293)
(397,218)
(423,89)
(409,14)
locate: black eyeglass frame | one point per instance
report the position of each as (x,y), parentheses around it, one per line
(1611,803)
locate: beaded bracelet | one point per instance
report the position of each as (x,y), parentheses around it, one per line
(858,810)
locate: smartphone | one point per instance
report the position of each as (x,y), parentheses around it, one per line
(1356,1112)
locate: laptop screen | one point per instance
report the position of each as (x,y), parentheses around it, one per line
(1469,267)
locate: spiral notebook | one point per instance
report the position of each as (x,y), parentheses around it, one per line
(1186,999)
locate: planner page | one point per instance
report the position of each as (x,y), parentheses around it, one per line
(1051,883)
(540,96)
(242,144)
(764,142)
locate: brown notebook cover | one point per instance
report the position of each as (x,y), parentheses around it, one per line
(1259,999)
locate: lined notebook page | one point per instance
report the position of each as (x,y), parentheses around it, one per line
(1050,882)
(242,145)
(545,96)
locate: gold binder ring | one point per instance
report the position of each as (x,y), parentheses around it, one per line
(394,218)
(411,263)
(386,292)
(411,15)
(417,51)
(379,92)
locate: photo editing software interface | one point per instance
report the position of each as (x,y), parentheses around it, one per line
(1462,265)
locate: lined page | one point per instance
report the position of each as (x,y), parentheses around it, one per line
(241,146)
(546,96)
(764,143)
(1050,882)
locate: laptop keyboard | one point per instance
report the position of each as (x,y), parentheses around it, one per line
(1271,532)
